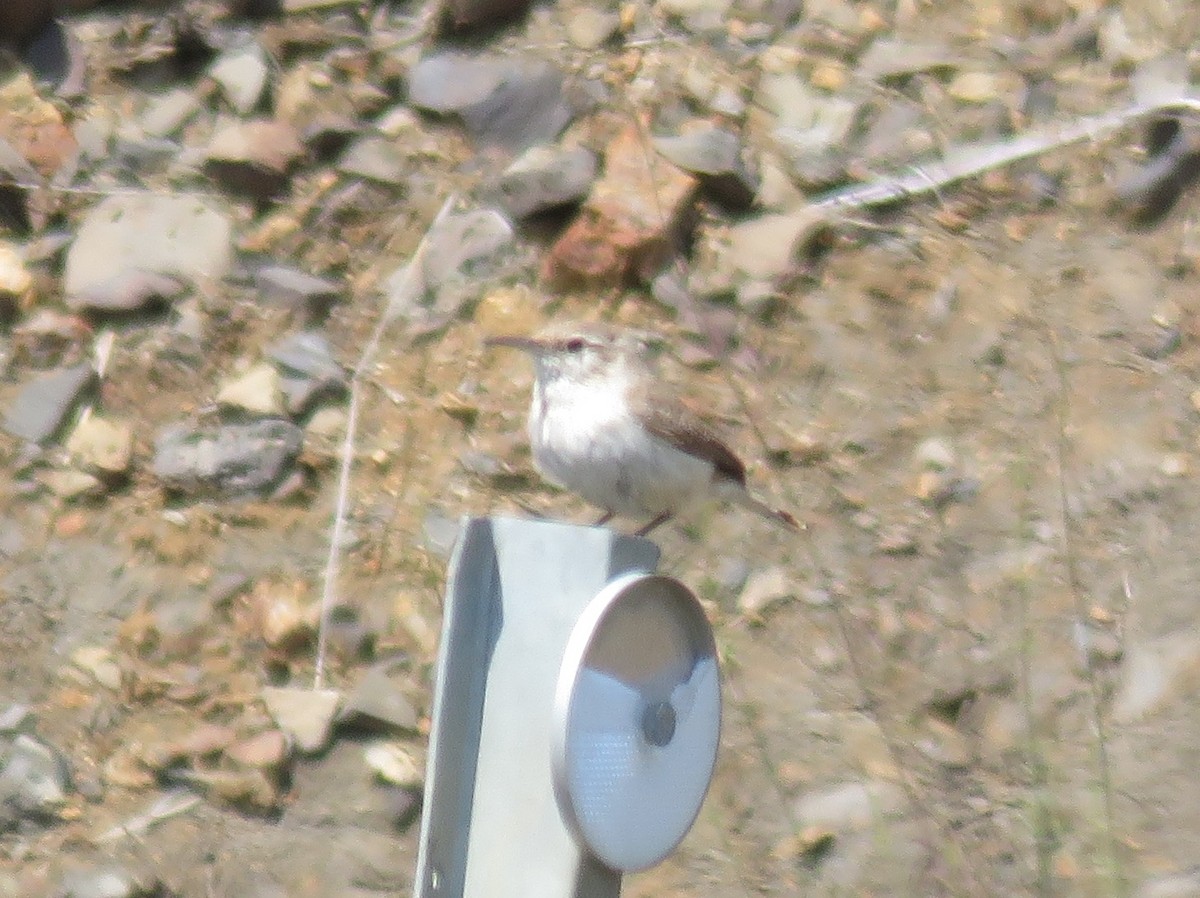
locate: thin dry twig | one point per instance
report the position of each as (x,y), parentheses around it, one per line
(1062,449)
(936,831)
(971,161)
(409,283)
(1042,823)
(170,804)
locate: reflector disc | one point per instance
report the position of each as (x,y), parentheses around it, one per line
(637,720)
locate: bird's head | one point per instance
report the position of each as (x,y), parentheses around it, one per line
(583,352)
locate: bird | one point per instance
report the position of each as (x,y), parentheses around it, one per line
(604,424)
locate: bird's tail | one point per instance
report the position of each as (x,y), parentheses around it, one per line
(783,518)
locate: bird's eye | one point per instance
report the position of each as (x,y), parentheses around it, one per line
(575,344)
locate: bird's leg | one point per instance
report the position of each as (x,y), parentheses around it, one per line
(604,518)
(661,519)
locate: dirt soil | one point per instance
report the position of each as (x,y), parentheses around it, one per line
(972,673)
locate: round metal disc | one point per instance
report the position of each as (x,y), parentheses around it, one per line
(637,720)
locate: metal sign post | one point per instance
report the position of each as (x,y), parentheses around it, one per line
(575,715)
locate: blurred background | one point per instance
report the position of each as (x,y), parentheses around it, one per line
(969,675)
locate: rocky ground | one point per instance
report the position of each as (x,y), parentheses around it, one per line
(970,675)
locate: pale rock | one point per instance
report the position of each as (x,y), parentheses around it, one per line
(34,780)
(376,158)
(849,806)
(103,882)
(1156,673)
(936,454)
(1004,727)
(169,112)
(242,74)
(461,249)
(15,718)
(256,391)
(377,701)
(130,291)
(766,247)
(102,444)
(285,619)
(977,87)
(393,763)
(866,743)
(800,109)
(1174,464)
(99,662)
(185,237)
(16,282)
(589,27)
(1172,885)
(888,59)
(946,745)
(776,192)
(328,422)
(67,484)
(765,590)
(304,714)
(1124,38)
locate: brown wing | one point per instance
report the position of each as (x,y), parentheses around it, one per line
(669,418)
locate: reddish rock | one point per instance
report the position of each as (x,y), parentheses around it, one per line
(205,739)
(251,790)
(630,223)
(34,127)
(267,750)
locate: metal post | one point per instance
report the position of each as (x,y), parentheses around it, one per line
(491,826)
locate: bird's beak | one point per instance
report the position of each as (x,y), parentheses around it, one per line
(513,341)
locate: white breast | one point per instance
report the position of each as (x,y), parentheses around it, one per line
(586,439)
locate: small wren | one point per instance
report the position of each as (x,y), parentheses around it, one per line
(603,424)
